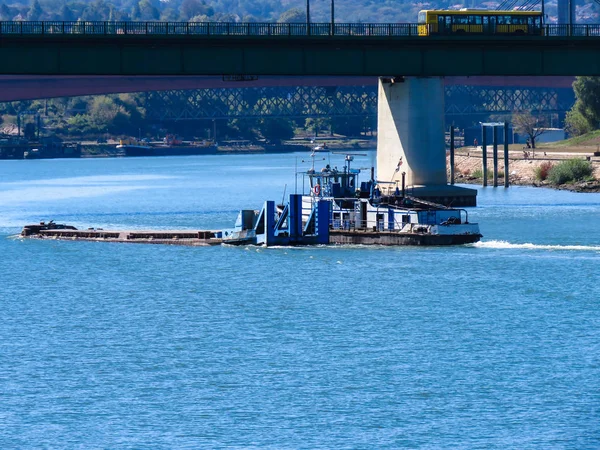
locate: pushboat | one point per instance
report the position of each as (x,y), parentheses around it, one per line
(376,212)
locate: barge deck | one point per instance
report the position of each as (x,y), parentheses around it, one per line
(189,238)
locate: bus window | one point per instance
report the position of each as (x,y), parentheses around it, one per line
(441,24)
(421,17)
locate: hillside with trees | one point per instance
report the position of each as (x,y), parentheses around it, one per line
(348,11)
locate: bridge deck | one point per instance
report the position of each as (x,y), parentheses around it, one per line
(155,48)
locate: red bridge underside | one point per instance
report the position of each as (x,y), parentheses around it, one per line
(30,87)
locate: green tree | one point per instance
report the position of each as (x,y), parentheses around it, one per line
(103,111)
(98,10)
(5,13)
(576,124)
(317,124)
(136,12)
(276,129)
(169,15)
(244,127)
(200,18)
(36,11)
(294,15)
(587,93)
(148,10)
(532,126)
(191,8)
(66,13)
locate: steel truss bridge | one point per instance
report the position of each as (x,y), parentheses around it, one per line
(462,102)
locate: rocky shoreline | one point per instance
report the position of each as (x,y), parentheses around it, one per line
(468,164)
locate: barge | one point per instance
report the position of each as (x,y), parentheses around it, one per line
(336,210)
(52,230)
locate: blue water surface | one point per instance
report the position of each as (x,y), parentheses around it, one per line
(494,345)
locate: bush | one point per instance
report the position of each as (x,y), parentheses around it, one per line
(478,173)
(576,124)
(570,171)
(541,171)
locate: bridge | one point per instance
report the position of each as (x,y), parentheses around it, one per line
(411,68)
(468,100)
(183,48)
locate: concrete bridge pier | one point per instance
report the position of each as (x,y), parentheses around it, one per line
(411,140)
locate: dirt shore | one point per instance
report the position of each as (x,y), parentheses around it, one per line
(522,166)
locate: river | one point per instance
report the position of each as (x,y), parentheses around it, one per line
(492,345)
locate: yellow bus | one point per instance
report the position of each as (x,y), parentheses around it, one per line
(479,21)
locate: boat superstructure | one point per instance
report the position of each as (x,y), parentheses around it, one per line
(378,212)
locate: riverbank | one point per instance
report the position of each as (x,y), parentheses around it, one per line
(522,166)
(110,150)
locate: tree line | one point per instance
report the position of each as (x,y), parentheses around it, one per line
(125,115)
(347,11)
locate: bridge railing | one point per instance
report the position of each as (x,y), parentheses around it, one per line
(268,29)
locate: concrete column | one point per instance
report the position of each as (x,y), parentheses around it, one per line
(410,131)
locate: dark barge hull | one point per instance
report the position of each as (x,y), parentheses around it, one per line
(185,237)
(205,238)
(398,239)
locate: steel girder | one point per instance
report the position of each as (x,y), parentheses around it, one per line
(291,102)
(314,101)
(461,99)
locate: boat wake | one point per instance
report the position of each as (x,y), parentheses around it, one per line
(529,246)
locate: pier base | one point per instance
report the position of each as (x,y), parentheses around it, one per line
(411,140)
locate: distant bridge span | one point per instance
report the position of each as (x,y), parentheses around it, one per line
(33,87)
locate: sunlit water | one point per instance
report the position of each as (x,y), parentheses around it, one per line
(495,345)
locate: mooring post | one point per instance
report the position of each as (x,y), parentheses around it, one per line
(484,155)
(295,217)
(452,155)
(323,216)
(269,209)
(495,155)
(506,172)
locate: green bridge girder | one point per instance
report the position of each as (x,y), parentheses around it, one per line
(236,49)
